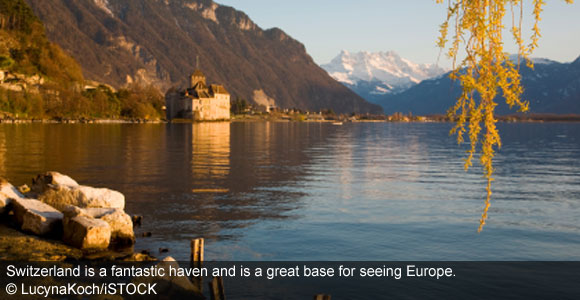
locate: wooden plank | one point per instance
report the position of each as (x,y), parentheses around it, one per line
(197,252)
(197,246)
(216,289)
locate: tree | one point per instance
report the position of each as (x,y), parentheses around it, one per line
(485,71)
(239,106)
(141,102)
(5,62)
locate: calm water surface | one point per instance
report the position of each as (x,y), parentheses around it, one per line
(308,191)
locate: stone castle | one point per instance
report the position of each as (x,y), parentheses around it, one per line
(199,102)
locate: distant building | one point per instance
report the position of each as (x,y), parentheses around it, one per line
(198,102)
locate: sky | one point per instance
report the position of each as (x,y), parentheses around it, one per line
(409,28)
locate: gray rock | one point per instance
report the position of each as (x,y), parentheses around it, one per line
(51,179)
(99,197)
(36,217)
(7,193)
(84,232)
(172,287)
(120,222)
(83,197)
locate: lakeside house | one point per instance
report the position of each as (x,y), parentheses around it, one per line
(200,102)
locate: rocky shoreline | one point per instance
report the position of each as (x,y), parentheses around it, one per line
(58,219)
(532,118)
(79,121)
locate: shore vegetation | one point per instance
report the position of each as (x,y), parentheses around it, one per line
(38,80)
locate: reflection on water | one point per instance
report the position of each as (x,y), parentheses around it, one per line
(310,191)
(210,153)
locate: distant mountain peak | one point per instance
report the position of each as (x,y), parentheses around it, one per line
(551,87)
(387,67)
(378,73)
(535,60)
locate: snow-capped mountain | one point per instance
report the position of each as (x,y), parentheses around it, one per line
(535,60)
(373,75)
(551,88)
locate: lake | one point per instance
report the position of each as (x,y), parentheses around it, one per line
(314,191)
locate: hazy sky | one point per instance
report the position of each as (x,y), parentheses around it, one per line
(410,28)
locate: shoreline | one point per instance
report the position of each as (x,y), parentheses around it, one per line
(58,219)
(16,245)
(303,118)
(277,120)
(79,121)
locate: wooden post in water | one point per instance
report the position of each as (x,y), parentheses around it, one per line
(197,260)
(216,289)
(321,297)
(197,252)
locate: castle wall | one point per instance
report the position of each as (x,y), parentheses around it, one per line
(217,108)
(172,105)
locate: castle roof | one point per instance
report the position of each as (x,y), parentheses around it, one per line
(199,86)
(202,94)
(218,89)
(198,93)
(197,73)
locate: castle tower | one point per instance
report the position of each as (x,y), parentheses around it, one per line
(196,77)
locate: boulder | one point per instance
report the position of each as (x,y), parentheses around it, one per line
(49,180)
(171,287)
(120,222)
(7,193)
(84,232)
(83,197)
(35,216)
(99,197)
(121,226)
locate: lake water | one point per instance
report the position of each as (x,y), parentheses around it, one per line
(310,191)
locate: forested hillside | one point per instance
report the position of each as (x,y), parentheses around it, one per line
(39,80)
(158,42)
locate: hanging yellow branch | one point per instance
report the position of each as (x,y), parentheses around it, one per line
(485,71)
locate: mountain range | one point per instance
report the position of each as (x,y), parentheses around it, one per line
(551,87)
(159,42)
(374,75)
(400,85)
